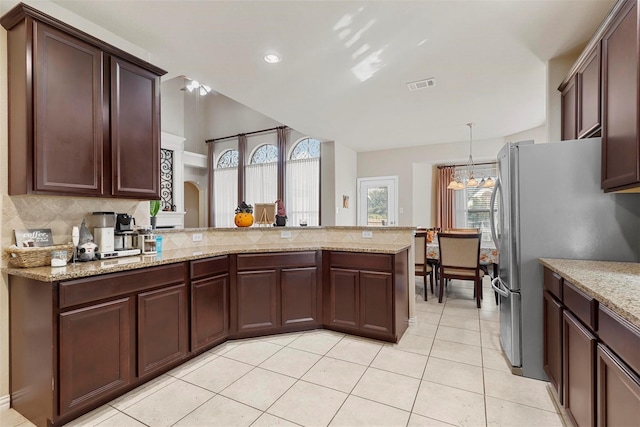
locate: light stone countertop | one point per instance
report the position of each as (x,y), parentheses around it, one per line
(93,268)
(614,284)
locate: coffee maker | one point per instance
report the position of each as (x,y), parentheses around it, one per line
(126,239)
(103,224)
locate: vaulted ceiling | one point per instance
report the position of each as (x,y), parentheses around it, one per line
(345,63)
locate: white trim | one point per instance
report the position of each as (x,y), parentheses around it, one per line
(5,402)
(393,198)
(195,160)
(413,321)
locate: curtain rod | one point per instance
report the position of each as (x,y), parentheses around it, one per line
(475,164)
(248,133)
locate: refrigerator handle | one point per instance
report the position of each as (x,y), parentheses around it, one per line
(492,219)
(499,287)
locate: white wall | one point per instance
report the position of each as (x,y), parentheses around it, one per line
(345,161)
(172,106)
(328,183)
(416,163)
(557,69)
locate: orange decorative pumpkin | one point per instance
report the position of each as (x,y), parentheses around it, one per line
(244,219)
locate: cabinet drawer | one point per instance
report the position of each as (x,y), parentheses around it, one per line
(580,304)
(95,288)
(209,267)
(553,283)
(360,261)
(620,336)
(276,260)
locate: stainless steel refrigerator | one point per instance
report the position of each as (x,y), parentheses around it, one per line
(549,204)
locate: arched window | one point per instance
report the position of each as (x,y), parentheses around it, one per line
(266,153)
(307,148)
(225,188)
(261,175)
(303,183)
(228,159)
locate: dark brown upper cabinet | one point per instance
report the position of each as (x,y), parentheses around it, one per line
(588,111)
(620,143)
(84,116)
(569,107)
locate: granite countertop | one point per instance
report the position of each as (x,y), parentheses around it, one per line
(614,284)
(94,268)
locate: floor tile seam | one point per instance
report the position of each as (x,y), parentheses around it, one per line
(459,316)
(521,403)
(212,397)
(381,403)
(456,361)
(398,373)
(524,404)
(241,361)
(451,386)
(192,411)
(458,342)
(122,412)
(430,416)
(150,394)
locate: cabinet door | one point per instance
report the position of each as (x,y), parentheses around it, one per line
(589,95)
(135,131)
(344,304)
(620,154)
(68,123)
(94,353)
(258,302)
(579,372)
(162,328)
(299,296)
(552,355)
(376,302)
(569,104)
(209,311)
(618,391)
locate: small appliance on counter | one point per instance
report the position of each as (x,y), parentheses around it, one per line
(125,239)
(103,224)
(147,240)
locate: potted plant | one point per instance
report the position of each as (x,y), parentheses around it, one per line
(244,215)
(281,216)
(154,208)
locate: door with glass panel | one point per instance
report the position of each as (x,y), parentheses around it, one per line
(378,201)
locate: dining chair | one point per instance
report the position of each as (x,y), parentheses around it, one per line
(422,267)
(463,230)
(460,259)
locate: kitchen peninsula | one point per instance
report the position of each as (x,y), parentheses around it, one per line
(83,334)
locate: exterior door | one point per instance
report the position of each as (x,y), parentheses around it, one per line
(378,201)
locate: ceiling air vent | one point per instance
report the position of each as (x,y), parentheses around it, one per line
(421,84)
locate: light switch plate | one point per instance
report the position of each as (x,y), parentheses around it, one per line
(285,234)
(197,237)
(367,234)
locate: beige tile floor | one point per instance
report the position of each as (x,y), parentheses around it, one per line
(447,370)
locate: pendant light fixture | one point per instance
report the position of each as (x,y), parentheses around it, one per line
(458,178)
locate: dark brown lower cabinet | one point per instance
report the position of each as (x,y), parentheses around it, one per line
(275,293)
(618,391)
(366,294)
(209,302)
(579,372)
(162,328)
(299,290)
(344,297)
(552,356)
(209,312)
(376,302)
(257,300)
(94,352)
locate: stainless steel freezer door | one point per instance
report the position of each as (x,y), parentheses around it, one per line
(511,329)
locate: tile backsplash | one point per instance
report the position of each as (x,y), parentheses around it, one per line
(60,214)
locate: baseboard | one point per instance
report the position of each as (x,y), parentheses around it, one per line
(413,321)
(5,402)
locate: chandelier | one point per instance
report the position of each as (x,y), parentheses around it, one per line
(460,176)
(198,87)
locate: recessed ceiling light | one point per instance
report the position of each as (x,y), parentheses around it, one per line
(272,58)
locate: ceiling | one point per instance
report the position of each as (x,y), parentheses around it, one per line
(345,64)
